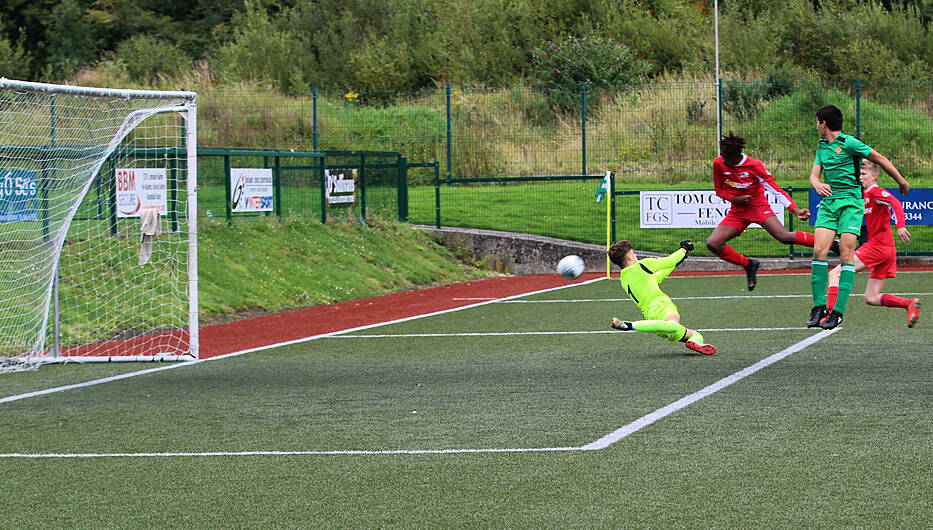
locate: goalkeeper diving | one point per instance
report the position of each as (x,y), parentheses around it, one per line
(640,279)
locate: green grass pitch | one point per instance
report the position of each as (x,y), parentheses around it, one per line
(350,430)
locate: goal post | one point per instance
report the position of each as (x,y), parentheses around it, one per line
(98,225)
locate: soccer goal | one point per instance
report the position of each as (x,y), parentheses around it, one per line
(98,225)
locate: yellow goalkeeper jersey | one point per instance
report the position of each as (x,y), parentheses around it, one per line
(640,279)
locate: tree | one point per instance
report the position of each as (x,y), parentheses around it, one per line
(70,41)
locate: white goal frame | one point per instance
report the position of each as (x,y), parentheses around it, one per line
(188,112)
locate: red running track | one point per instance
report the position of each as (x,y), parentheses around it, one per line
(266,330)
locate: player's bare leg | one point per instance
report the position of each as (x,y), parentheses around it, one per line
(805,239)
(832,292)
(847,244)
(717,244)
(874,296)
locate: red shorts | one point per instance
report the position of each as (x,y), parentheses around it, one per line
(880,259)
(741,217)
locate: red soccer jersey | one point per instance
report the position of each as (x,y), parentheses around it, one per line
(749,177)
(878,205)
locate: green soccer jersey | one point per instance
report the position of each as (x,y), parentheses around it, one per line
(839,160)
(640,280)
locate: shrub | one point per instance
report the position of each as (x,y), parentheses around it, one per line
(695,110)
(559,68)
(144,58)
(262,51)
(14,59)
(742,99)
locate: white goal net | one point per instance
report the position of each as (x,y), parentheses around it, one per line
(98,225)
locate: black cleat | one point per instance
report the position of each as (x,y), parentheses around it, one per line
(834,248)
(832,320)
(751,273)
(817,314)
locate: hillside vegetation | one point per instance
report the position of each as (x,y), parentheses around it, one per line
(292,45)
(267,265)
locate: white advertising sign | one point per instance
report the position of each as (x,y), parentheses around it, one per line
(691,209)
(340,187)
(251,189)
(141,188)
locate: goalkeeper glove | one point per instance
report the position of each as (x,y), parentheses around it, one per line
(687,245)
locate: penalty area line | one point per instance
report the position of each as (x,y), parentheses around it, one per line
(602,443)
(648,419)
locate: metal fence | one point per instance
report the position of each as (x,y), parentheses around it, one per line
(298,182)
(655,136)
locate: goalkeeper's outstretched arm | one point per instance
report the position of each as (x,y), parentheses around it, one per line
(666,265)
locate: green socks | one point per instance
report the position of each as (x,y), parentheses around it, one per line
(819,277)
(846,279)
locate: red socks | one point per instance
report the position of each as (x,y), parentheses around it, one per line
(831,294)
(729,254)
(804,238)
(889,300)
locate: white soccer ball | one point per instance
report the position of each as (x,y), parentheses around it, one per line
(571,267)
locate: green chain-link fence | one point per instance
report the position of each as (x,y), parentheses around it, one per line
(657,136)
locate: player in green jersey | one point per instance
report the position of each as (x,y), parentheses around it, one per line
(640,279)
(840,211)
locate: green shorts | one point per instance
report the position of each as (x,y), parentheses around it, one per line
(842,215)
(661,308)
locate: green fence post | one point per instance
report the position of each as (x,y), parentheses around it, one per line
(718,113)
(437,194)
(449,136)
(45,181)
(790,225)
(277,183)
(113,197)
(583,124)
(363,188)
(314,118)
(323,190)
(402,194)
(858,107)
(227,191)
(612,207)
(173,191)
(100,195)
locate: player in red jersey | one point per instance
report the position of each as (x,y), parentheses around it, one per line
(878,254)
(742,181)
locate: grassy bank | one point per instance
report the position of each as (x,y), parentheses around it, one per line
(267,266)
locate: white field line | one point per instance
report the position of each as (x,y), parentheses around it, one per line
(270,346)
(602,443)
(725,297)
(648,419)
(510,333)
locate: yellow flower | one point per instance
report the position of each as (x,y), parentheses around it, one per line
(352,97)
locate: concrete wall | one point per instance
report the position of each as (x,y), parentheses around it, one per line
(527,254)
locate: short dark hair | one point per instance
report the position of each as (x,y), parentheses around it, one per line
(731,145)
(831,116)
(618,251)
